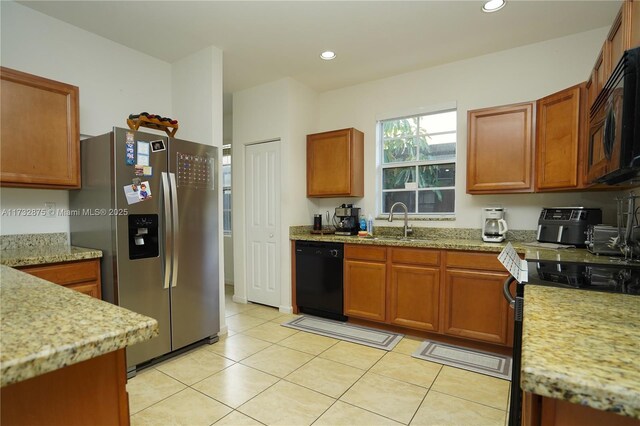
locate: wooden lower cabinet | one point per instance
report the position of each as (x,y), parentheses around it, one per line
(81,275)
(91,392)
(543,411)
(458,293)
(414,297)
(365,289)
(474,306)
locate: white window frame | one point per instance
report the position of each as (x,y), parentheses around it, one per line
(397,115)
(226,232)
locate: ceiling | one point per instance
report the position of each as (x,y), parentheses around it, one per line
(266,40)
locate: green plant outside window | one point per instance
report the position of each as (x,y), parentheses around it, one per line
(419,162)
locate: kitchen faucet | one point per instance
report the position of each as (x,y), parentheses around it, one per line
(407,228)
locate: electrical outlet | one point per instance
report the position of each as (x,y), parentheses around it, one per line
(50,207)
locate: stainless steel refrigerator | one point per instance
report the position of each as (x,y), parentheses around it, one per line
(150,203)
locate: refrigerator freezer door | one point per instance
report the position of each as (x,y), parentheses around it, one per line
(140,282)
(195,286)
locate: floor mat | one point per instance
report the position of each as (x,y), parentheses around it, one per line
(468,359)
(378,339)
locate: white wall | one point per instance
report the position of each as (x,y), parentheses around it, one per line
(197,102)
(108,75)
(516,75)
(197,96)
(281,110)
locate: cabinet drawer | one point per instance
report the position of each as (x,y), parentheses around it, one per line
(90,289)
(473,260)
(415,256)
(364,252)
(67,272)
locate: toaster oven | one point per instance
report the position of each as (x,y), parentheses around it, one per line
(600,238)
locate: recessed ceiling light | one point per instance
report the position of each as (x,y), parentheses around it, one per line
(328,55)
(493,5)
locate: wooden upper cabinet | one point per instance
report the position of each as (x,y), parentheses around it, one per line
(499,149)
(559,133)
(617,40)
(634,24)
(599,72)
(623,35)
(590,94)
(335,164)
(40,132)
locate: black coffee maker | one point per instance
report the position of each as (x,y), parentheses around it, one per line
(346,220)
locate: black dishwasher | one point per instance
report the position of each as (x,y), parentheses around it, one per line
(319,279)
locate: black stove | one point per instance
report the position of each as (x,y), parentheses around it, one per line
(612,278)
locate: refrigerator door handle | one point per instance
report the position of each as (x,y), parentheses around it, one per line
(176,229)
(167,230)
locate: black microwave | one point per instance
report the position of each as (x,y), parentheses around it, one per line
(614,144)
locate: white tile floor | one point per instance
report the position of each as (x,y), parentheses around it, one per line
(262,373)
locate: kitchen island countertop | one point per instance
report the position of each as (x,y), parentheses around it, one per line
(593,359)
(46,327)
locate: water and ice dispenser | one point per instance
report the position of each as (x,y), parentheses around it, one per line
(143,236)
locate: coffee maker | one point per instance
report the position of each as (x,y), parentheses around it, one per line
(494,227)
(346,220)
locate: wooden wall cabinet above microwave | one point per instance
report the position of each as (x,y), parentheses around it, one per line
(40,132)
(335,164)
(623,35)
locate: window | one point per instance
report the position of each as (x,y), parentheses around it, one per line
(418,162)
(226,189)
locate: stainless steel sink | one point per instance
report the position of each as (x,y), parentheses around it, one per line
(390,238)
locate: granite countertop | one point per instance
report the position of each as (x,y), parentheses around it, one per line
(442,242)
(37,255)
(46,326)
(593,359)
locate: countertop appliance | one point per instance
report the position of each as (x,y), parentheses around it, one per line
(600,239)
(150,203)
(319,271)
(614,134)
(347,220)
(566,225)
(621,278)
(494,227)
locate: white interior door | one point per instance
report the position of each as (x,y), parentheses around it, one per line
(262,177)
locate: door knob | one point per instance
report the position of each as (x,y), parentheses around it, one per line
(270,235)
